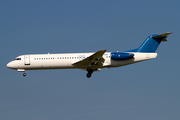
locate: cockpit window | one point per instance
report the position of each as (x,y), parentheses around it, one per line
(18,59)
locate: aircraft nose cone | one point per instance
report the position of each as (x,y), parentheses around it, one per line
(10,65)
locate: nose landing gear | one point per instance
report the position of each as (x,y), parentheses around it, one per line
(24,74)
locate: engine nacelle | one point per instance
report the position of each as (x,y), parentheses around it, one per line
(121,56)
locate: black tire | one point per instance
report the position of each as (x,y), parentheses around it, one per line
(24,74)
(88,75)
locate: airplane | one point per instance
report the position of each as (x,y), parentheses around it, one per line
(89,62)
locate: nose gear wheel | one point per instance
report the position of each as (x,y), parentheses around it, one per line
(24,74)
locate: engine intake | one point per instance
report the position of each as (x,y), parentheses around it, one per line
(121,56)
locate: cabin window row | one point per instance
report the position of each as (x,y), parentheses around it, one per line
(56,58)
(52,58)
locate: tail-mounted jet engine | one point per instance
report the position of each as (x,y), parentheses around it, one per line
(121,56)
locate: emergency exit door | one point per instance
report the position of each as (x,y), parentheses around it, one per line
(27,59)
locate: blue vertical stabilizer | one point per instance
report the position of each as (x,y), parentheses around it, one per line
(151,43)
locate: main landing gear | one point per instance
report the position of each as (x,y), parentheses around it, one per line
(24,74)
(90,71)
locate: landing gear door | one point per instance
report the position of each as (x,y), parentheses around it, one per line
(27,60)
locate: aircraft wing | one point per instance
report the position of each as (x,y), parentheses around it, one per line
(95,61)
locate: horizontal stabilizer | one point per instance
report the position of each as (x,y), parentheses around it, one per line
(162,36)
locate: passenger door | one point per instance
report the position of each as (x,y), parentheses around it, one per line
(27,60)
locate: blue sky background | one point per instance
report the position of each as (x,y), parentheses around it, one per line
(142,91)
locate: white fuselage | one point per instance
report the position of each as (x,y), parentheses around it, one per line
(89,61)
(65,61)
